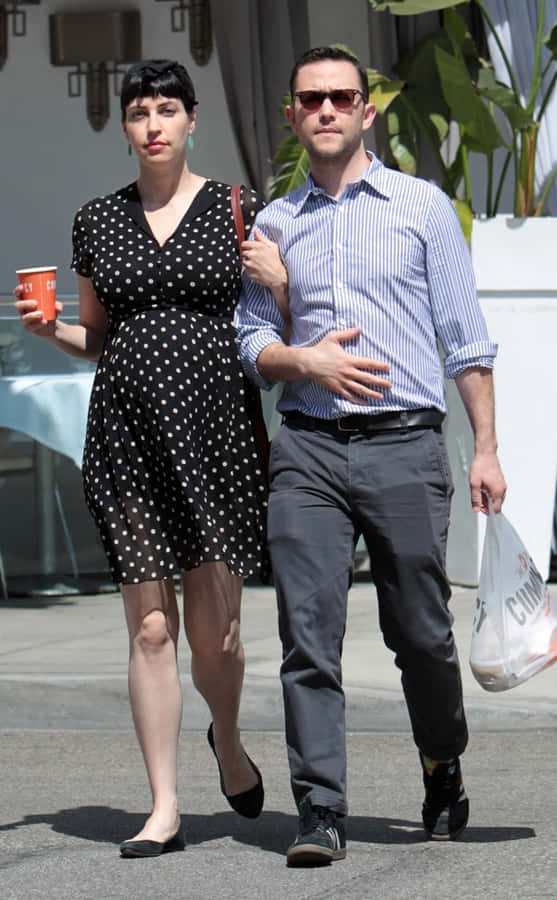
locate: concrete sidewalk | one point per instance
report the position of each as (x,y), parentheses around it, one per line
(74,785)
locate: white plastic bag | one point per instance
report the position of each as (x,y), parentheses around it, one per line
(515,625)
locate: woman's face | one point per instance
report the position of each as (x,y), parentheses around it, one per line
(158,128)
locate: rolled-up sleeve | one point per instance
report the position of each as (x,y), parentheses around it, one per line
(459,321)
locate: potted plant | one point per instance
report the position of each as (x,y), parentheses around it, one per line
(444,84)
(444,81)
(461,87)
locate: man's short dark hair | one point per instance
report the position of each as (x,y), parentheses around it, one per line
(318,54)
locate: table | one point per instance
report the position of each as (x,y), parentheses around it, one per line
(51,409)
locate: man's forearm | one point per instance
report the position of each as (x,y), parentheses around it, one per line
(476,389)
(328,364)
(486,478)
(279,362)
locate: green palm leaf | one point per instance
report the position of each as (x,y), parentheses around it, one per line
(412,7)
(479,130)
(290,162)
(465,217)
(504,98)
(382,90)
(291,167)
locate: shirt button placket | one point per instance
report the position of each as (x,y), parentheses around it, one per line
(336,273)
(160,287)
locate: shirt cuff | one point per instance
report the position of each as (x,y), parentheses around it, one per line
(478,355)
(250,346)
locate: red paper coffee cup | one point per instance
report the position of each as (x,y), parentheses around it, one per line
(40,285)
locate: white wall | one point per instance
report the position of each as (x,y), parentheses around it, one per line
(345,22)
(52,159)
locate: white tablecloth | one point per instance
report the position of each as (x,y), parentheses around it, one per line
(52,409)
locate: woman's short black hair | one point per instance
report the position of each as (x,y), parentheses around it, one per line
(318,54)
(151,77)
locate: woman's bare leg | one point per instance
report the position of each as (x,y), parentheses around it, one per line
(212,597)
(155,696)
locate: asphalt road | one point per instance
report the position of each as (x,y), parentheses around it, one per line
(73,783)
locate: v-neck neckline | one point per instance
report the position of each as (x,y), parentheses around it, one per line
(198,205)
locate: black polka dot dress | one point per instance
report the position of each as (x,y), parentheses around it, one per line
(171,470)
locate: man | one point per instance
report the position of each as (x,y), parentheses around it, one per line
(378,272)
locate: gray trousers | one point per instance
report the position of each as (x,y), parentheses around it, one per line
(394,488)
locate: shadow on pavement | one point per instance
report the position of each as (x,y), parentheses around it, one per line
(273,831)
(39,602)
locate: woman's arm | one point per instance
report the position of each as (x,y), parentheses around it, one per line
(84,340)
(264,264)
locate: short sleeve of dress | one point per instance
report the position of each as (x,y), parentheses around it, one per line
(81,257)
(252,202)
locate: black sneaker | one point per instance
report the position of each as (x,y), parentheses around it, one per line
(320,838)
(445,810)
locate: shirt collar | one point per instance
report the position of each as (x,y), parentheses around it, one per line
(375,178)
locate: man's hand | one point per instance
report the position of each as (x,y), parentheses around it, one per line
(486,478)
(350,376)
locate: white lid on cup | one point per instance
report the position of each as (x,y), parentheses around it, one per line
(36,269)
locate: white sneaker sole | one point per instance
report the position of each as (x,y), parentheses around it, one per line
(313,854)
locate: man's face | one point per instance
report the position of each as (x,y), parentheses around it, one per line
(331,131)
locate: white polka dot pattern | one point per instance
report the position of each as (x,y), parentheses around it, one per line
(171,471)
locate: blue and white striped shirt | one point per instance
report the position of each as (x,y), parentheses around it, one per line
(389,256)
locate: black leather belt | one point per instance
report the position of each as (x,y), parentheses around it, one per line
(389,421)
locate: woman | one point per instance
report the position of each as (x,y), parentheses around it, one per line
(171,471)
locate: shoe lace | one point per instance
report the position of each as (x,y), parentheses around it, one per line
(443,783)
(322,815)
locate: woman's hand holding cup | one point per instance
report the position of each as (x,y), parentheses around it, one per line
(36,302)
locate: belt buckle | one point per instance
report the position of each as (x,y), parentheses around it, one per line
(345,430)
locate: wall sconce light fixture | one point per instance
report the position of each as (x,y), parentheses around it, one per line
(201,41)
(19,24)
(95,42)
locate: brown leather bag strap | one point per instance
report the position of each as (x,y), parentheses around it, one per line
(236,204)
(253,394)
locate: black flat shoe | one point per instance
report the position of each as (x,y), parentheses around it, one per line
(153,848)
(248,803)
